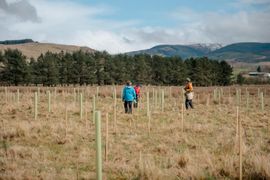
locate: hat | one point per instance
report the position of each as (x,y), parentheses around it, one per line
(188,79)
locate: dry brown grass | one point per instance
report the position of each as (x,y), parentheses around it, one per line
(35,49)
(55,148)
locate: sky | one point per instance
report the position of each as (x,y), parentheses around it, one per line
(119,26)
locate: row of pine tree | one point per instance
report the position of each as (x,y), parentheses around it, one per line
(82,68)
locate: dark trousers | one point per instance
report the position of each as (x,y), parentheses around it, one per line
(128,107)
(189,103)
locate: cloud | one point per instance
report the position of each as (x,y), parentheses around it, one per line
(128,39)
(238,27)
(224,27)
(68,22)
(22,10)
(71,23)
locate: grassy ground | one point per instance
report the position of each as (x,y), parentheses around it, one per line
(60,145)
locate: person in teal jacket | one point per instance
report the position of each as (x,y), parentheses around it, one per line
(128,96)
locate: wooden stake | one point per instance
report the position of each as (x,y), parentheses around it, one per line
(149,122)
(237,97)
(237,121)
(98,146)
(66,120)
(6,94)
(13,97)
(219,97)
(55,95)
(156,99)
(162,100)
(81,106)
(114,111)
(97,91)
(36,104)
(49,101)
(215,95)
(262,102)
(153,99)
(183,96)
(170,92)
(38,94)
(240,150)
(74,95)
(94,107)
(147,104)
(247,97)
(107,137)
(18,96)
(221,92)
(208,100)
(182,118)
(85,115)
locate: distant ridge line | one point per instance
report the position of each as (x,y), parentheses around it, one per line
(243,51)
(14,42)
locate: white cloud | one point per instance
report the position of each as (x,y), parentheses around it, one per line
(241,26)
(225,27)
(68,22)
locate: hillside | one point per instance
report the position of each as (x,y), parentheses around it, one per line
(243,52)
(184,51)
(35,49)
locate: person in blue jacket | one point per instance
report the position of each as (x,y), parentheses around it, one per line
(128,96)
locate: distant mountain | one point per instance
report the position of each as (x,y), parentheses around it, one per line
(206,48)
(185,51)
(245,52)
(21,41)
(171,50)
(34,49)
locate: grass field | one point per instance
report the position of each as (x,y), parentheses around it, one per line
(202,143)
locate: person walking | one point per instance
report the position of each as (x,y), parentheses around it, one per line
(137,89)
(188,93)
(128,96)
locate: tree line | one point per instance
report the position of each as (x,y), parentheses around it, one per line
(83,68)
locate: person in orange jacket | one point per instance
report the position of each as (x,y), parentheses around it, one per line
(188,93)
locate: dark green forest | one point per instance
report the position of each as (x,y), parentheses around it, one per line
(101,68)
